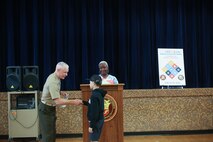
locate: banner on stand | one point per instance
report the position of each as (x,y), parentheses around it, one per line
(171,67)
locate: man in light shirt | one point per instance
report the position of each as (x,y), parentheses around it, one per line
(52,97)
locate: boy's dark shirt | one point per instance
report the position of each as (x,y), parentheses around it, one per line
(95,107)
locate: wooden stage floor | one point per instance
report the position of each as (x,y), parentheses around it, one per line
(152,138)
(174,138)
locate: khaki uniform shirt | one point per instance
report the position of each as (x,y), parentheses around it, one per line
(51,89)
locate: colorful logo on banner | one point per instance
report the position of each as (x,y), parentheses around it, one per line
(171,69)
(110,108)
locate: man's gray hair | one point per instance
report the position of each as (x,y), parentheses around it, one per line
(61,65)
(103,62)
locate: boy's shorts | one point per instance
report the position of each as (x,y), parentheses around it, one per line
(97,132)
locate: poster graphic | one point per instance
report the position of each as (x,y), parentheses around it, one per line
(171,67)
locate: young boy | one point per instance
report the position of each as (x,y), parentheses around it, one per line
(95,108)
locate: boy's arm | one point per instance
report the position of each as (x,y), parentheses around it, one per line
(86,103)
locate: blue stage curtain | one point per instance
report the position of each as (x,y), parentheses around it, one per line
(125,33)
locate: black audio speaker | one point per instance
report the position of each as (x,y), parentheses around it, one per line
(30,76)
(13,78)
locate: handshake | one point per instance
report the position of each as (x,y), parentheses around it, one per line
(77,102)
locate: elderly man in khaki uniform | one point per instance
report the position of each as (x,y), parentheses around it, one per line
(50,99)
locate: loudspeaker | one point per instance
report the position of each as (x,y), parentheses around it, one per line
(13,78)
(30,76)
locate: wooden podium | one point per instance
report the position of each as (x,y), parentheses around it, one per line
(113,125)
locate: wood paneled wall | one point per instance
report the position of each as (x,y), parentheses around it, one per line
(143,111)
